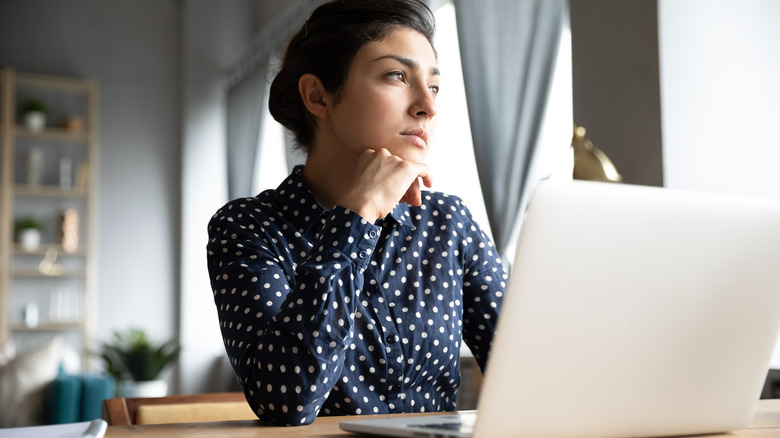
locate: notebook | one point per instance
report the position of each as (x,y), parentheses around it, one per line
(630,311)
(85,429)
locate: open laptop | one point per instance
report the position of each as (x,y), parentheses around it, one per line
(631,311)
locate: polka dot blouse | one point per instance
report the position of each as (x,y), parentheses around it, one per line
(323,312)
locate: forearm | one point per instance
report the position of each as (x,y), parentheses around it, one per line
(483,294)
(484,283)
(286,325)
(290,368)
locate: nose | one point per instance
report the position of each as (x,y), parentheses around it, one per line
(424,104)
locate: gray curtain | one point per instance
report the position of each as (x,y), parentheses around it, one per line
(247,81)
(245,101)
(508,51)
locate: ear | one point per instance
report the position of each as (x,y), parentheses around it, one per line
(314,95)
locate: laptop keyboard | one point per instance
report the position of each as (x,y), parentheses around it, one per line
(462,427)
(462,423)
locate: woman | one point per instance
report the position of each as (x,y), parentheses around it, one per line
(347,290)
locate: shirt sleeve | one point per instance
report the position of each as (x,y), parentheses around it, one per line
(484,283)
(286,327)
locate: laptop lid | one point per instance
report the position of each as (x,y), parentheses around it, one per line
(633,311)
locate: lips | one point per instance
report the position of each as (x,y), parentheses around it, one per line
(418,136)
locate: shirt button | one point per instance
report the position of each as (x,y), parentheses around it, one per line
(362,254)
(390,339)
(395,388)
(372,234)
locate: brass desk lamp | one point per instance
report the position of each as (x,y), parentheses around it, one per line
(590,163)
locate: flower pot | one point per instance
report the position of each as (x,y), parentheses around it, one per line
(35,120)
(147,388)
(30,239)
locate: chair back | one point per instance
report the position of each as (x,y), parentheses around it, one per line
(225,406)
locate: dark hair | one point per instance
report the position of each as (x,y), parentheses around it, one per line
(326,46)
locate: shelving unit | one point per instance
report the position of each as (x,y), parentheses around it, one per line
(54,280)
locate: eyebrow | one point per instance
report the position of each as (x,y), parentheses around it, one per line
(409,63)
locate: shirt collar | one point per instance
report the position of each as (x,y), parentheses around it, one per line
(400,215)
(294,185)
(294,188)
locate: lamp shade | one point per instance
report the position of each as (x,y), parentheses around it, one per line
(590,163)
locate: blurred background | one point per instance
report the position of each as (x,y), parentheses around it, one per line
(678,93)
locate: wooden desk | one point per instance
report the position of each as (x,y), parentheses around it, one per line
(766,423)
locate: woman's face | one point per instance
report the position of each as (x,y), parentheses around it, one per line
(389,99)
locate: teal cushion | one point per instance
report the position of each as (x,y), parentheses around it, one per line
(77,397)
(64,400)
(94,389)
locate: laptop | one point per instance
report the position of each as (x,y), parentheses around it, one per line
(631,311)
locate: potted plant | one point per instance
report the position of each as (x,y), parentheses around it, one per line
(28,232)
(34,114)
(136,361)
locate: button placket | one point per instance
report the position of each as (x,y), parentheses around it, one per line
(391,345)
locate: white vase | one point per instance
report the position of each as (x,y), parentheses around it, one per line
(35,121)
(148,388)
(30,239)
(34,166)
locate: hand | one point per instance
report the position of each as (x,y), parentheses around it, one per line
(381,181)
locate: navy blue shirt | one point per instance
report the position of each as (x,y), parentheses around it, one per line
(322,311)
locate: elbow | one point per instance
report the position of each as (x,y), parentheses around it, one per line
(283,412)
(286,418)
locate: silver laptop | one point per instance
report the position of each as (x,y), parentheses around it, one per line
(631,311)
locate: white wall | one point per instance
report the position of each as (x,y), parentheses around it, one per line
(131,48)
(720,96)
(160,67)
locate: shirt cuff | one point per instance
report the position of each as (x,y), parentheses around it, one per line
(350,234)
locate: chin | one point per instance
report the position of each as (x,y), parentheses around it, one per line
(414,154)
(415,158)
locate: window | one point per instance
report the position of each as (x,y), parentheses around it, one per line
(452,155)
(271,164)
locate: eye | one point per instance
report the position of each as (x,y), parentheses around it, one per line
(434,90)
(397,76)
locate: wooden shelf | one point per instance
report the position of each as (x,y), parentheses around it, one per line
(20,274)
(49,326)
(56,83)
(53,134)
(45,247)
(48,191)
(34,273)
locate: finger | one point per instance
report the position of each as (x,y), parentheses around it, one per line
(413,195)
(424,172)
(427,180)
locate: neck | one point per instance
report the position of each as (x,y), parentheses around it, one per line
(328,172)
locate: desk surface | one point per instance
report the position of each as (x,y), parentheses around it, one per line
(766,423)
